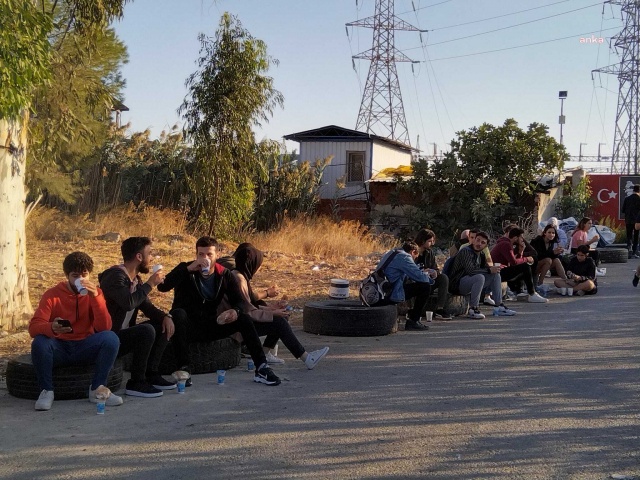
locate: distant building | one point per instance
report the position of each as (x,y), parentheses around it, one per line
(357,157)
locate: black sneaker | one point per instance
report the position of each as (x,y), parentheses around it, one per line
(142,389)
(415,325)
(265,375)
(440,314)
(160,383)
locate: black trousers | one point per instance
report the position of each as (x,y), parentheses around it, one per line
(420,291)
(632,233)
(519,272)
(206,330)
(279,329)
(441,284)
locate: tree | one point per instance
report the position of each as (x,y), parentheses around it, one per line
(25,63)
(228,95)
(487,175)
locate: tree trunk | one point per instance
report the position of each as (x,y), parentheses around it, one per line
(15,305)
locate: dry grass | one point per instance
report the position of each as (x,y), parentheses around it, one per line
(323,238)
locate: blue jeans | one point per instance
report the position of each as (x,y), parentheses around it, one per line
(100,348)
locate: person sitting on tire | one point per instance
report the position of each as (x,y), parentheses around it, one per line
(470,275)
(581,274)
(126,293)
(549,251)
(72,326)
(269,320)
(425,239)
(208,299)
(580,237)
(403,266)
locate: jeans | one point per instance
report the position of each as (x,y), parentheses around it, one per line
(632,233)
(473,286)
(100,349)
(279,329)
(207,330)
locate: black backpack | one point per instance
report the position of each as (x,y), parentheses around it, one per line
(376,287)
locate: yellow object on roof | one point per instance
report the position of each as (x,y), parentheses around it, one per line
(389,174)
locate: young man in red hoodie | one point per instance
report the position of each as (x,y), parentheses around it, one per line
(72,326)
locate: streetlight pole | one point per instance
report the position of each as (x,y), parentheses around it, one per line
(599,150)
(562,94)
(580,154)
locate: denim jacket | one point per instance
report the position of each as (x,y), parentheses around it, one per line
(401,267)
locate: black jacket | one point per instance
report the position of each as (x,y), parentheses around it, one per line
(187,294)
(631,208)
(428,260)
(116,288)
(541,248)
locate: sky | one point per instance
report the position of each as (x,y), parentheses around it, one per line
(455,86)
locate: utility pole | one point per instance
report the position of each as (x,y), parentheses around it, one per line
(562,94)
(580,155)
(627,45)
(381,110)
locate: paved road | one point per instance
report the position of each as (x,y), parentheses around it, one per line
(552,393)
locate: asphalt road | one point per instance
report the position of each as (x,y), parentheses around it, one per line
(552,393)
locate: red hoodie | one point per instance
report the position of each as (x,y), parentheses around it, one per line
(502,252)
(88,314)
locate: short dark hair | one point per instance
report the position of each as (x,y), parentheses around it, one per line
(636,188)
(515,232)
(474,230)
(583,249)
(77,262)
(424,235)
(207,241)
(409,247)
(509,227)
(485,235)
(132,246)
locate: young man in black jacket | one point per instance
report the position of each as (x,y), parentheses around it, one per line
(425,239)
(125,294)
(208,300)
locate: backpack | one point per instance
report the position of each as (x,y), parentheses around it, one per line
(376,287)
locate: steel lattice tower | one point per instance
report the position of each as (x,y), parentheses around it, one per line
(381,109)
(627,46)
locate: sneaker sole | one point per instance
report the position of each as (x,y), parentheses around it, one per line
(265,381)
(165,387)
(134,393)
(281,362)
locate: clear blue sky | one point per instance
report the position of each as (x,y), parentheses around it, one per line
(441,95)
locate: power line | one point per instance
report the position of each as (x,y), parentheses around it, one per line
(426,6)
(521,46)
(504,28)
(500,16)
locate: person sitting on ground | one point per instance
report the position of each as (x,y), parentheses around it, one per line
(470,275)
(549,252)
(515,267)
(425,239)
(209,300)
(403,266)
(581,274)
(580,237)
(561,235)
(269,320)
(72,327)
(126,294)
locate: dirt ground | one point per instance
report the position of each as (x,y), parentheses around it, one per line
(300,277)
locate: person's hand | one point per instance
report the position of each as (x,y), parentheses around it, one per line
(156,279)
(558,250)
(432,273)
(227,316)
(198,264)
(529,260)
(168,327)
(281,304)
(272,291)
(90,286)
(494,269)
(282,313)
(577,278)
(58,329)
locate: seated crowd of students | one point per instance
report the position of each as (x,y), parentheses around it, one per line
(479,272)
(78,321)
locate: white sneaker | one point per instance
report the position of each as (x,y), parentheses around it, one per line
(475,314)
(502,311)
(536,298)
(489,301)
(113,400)
(314,357)
(273,360)
(45,400)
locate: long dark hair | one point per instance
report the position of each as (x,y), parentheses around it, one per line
(581,225)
